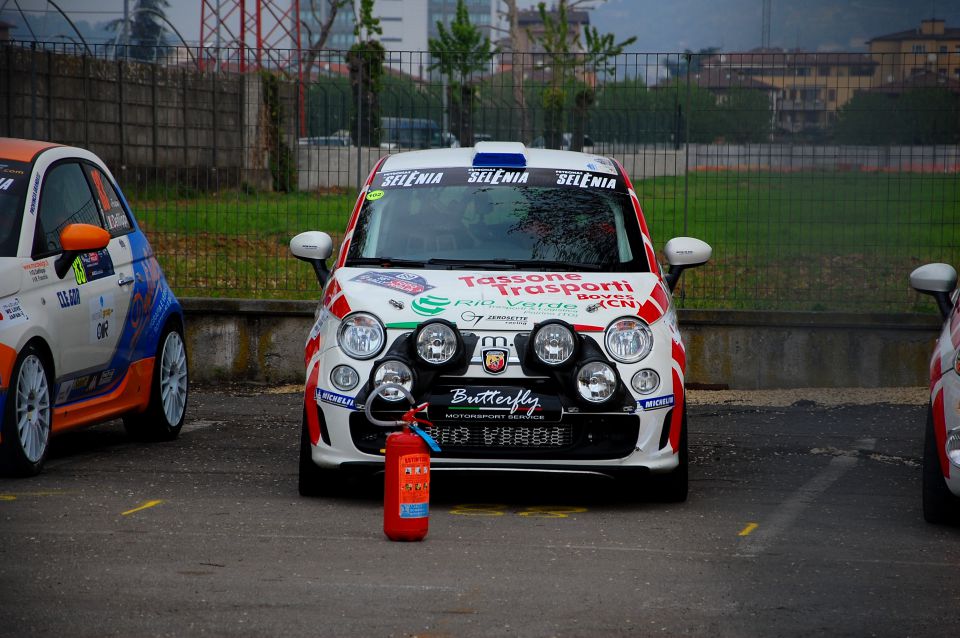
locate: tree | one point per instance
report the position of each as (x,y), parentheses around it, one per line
(365,59)
(517,57)
(916,116)
(599,59)
(318,41)
(145,33)
(564,50)
(689,62)
(458,54)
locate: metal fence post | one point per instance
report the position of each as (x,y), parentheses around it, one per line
(86,100)
(120,118)
(216,126)
(359,124)
(686,150)
(153,113)
(33,90)
(9,90)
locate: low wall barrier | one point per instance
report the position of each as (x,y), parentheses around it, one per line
(263,341)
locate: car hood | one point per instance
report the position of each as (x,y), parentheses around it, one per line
(496,300)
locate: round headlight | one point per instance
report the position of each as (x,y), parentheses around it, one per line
(393,372)
(953,447)
(553,344)
(344,378)
(629,340)
(436,343)
(596,382)
(646,381)
(361,336)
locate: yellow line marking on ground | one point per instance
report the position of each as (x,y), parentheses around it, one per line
(146,505)
(12,496)
(749,528)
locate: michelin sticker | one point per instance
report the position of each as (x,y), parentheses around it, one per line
(656,403)
(336,399)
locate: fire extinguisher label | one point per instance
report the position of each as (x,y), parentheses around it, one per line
(414,485)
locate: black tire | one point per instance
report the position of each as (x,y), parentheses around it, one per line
(170,388)
(27,415)
(313,480)
(674,487)
(939,504)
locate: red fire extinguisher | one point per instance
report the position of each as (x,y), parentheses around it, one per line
(406,487)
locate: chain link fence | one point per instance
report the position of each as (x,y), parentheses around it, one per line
(820,180)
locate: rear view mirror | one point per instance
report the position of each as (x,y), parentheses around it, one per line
(76,239)
(313,247)
(683,253)
(938,280)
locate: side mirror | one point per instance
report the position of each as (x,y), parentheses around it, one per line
(77,239)
(938,280)
(683,253)
(315,248)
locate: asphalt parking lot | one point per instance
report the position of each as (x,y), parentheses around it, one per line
(803,519)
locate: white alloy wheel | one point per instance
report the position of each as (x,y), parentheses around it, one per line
(173,377)
(32,408)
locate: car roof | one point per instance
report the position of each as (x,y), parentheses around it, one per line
(464,156)
(17,150)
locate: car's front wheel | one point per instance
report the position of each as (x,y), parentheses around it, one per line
(939,503)
(27,417)
(167,409)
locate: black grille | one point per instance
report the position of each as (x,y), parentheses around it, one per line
(502,436)
(577,436)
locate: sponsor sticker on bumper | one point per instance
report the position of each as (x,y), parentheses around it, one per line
(655,403)
(342,400)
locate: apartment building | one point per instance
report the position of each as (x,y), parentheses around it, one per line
(931,50)
(811,86)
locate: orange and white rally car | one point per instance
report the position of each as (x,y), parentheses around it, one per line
(89,328)
(515,290)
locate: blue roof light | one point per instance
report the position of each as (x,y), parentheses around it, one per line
(511,154)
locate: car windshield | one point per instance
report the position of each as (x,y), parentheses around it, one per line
(13,188)
(522,222)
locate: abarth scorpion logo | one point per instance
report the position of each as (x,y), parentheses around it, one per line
(494,359)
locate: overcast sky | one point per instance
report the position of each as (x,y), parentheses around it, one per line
(659,25)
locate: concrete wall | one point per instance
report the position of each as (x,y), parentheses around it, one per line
(146,121)
(263,341)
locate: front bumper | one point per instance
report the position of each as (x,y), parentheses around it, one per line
(599,442)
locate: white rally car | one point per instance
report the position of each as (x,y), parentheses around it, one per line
(89,328)
(515,290)
(941,441)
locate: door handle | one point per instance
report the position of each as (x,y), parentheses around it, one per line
(125,281)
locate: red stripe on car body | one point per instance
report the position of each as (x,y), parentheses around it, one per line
(676,418)
(680,356)
(940,433)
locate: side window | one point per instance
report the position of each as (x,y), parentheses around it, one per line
(114,217)
(65,198)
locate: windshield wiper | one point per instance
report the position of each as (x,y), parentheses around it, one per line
(547,264)
(384,262)
(480,264)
